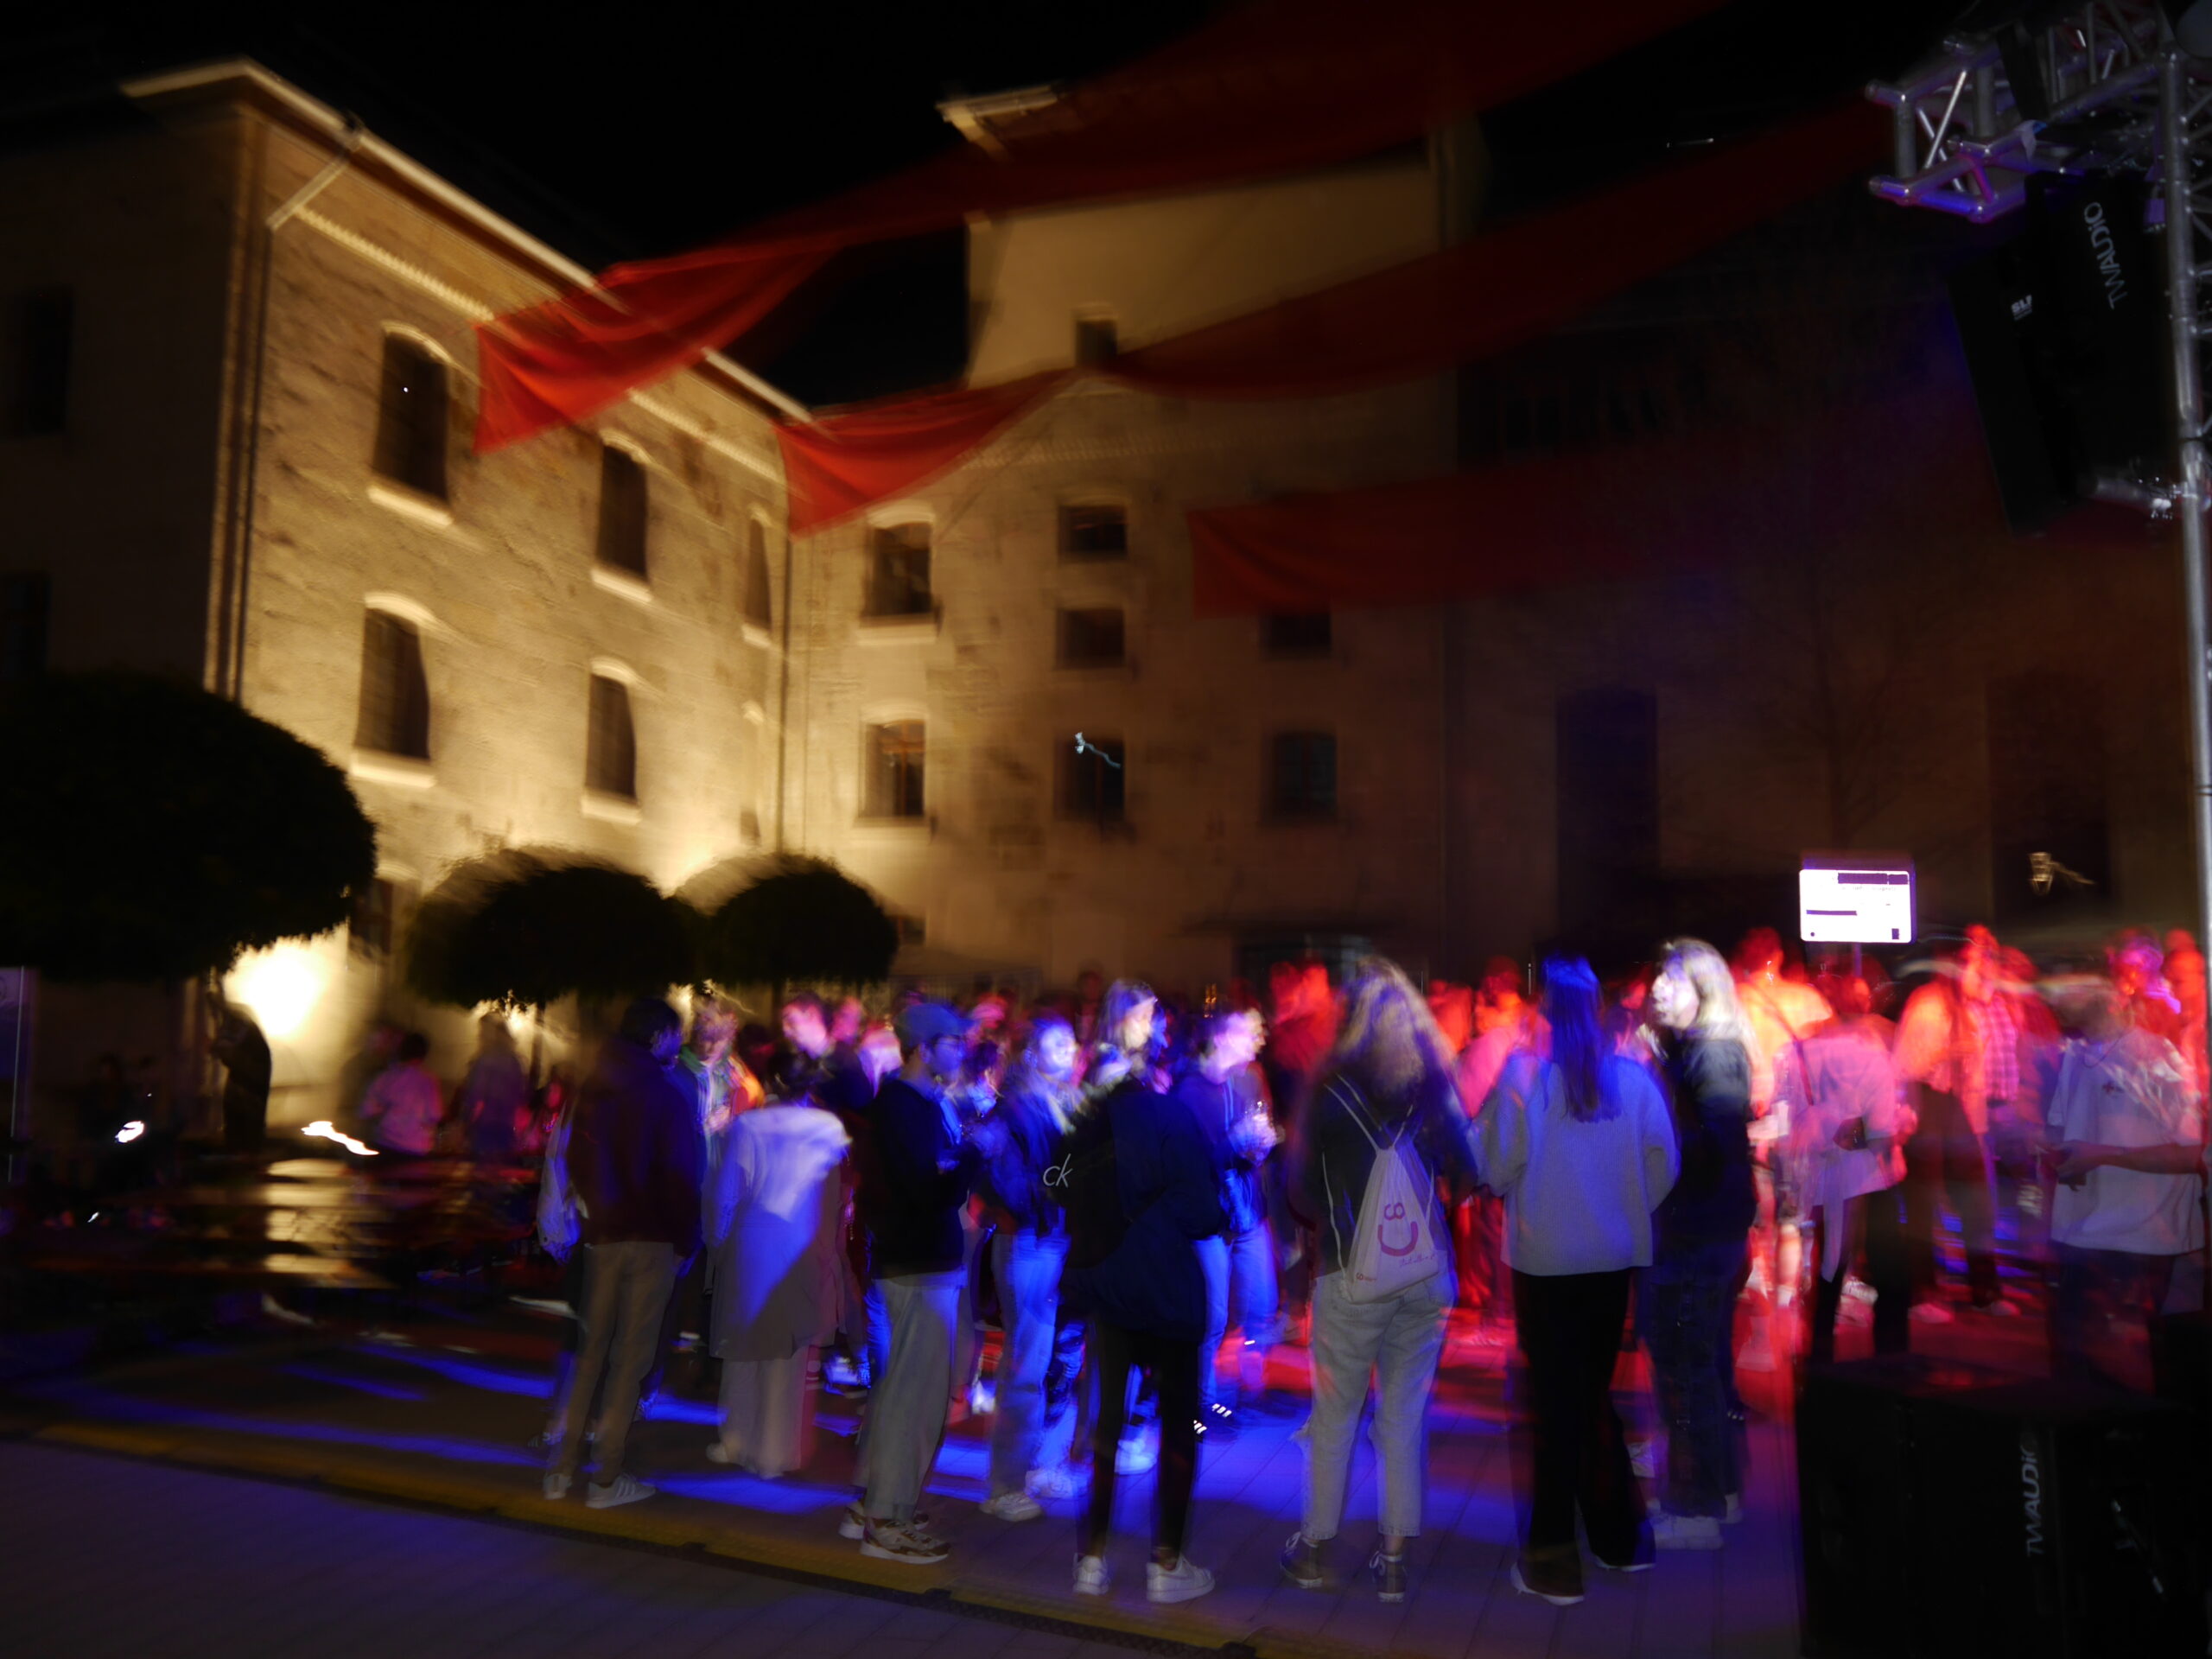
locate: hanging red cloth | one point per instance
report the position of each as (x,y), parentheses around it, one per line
(1467,301)
(1265,89)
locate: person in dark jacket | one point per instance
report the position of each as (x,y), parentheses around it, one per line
(1687,1298)
(1222,1086)
(914,1188)
(637,1159)
(1022,1143)
(1143,1187)
(1386,1091)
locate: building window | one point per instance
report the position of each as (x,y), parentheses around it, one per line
(1096,340)
(623,507)
(1092,638)
(892,788)
(1094,779)
(611,744)
(395,694)
(412,417)
(759,597)
(1302,775)
(23,604)
(369,928)
(45,321)
(899,577)
(1608,802)
(1094,532)
(1305,633)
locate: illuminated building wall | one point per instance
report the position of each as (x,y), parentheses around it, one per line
(248,489)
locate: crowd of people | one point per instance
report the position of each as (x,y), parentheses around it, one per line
(1121,1184)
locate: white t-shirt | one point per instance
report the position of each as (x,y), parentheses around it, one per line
(2134,1091)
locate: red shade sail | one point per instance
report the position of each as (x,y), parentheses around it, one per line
(1265,89)
(1425,316)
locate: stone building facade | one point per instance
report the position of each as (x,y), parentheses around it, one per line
(260,478)
(1876,664)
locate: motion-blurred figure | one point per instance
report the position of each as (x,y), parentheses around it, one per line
(495,1094)
(1942,1054)
(406,1102)
(247,1071)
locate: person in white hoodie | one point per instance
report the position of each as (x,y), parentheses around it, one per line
(774,1218)
(1581,1146)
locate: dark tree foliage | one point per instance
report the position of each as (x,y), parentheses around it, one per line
(808,922)
(518,931)
(151,831)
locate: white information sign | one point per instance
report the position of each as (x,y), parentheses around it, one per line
(1855,899)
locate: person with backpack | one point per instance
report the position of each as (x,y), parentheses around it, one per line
(1380,1128)
(1143,1187)
(1581,1145)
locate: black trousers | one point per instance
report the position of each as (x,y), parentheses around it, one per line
(1570,1333)
(1945,1156)
(1173,1368)
(1874,1229)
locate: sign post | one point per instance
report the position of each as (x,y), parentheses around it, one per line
(1855,899)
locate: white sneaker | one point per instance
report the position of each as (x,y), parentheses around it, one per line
(1670,1531)
(982,1398)
(1734,1514)
(1858,1290)
(853,1524)
(623,1489)
(1138,1455)
(1644,1458)
(1181,1582)
(1058,1481)
(910,1543)
(1932,1313)
(1091,1576)
(2002,1309)
(557,1485)
(1012,1506)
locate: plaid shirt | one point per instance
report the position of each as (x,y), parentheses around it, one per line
(2000,1048)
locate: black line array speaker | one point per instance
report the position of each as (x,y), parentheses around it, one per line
(1949,1511)
(2062,329)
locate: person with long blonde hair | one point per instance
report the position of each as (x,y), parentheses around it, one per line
(1687,1298)
(1385,1092)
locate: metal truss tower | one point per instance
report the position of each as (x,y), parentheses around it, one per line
(2100,88)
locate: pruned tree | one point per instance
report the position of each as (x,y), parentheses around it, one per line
(152,831)
(808,922)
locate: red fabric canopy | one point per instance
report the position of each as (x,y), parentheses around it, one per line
(1482,297)
(1637,511)
(1265,89)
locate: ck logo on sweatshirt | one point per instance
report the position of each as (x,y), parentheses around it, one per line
(1058,1174)
(1397,1213)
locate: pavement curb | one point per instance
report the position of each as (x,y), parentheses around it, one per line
(1168,1629)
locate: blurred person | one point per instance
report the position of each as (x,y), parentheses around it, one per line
(362,1068)
(1380,1129)
(972,1095)
(915,1188)
(247,1070)
(1453,1007)
(495,1093)
(1022,1143)
(2138,968)
(772,1220)
(716,1081)
(1687,1298)
(1301,1028)
(1089,991)
(1506,1025)
(2186,973)
(405,1104)
(1581,1144)
(1222,1089)
(1848,1123)
(1779,1010)
(1942,1057)
(1142,1188)
(560,1228)
(2126,1126)
(637,1160)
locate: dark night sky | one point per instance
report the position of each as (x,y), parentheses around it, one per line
(628,130)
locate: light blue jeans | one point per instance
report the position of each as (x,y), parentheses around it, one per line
(1399,1339)
(1240,1294)
(905,1409)
(1028,1269)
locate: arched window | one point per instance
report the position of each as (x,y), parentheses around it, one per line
(760,596)
(412,417)
(611,745)
(395,714)
(623,509)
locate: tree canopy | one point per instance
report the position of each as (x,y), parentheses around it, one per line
(808,921)
(152,831)
(522,932)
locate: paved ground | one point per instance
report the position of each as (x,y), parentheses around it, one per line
(111,1555)
(433,1413)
